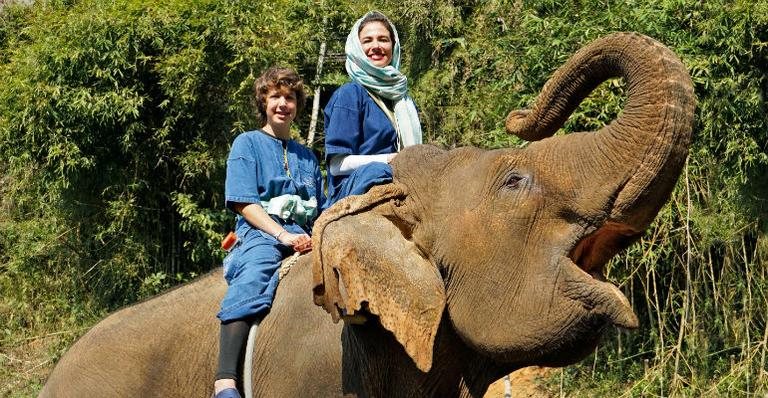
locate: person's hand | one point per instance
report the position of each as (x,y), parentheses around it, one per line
(300,242)
(303,247)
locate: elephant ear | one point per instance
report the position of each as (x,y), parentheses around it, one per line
(363,262)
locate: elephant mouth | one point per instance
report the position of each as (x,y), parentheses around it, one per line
(594,250)
(584,278)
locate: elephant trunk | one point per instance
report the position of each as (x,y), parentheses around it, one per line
(635,160)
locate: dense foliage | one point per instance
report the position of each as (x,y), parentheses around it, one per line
(115,119)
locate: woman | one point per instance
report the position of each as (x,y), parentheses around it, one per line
(274,185)
(370,119)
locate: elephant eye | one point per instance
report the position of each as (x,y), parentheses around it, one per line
(514,181)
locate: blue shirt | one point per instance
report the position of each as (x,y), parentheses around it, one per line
(256,171)
(355,125)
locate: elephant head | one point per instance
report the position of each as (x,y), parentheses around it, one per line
(507,246)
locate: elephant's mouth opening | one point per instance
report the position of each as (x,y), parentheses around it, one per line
(593,251)
(591,254)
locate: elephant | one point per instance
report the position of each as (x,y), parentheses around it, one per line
(471,264)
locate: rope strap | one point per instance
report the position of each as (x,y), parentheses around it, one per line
(287,264)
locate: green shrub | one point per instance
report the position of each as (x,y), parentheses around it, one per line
(116,119)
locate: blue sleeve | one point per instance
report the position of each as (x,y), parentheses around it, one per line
(241,184)
(343,122)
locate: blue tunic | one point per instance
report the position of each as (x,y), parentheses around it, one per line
(255,173)
(355,125)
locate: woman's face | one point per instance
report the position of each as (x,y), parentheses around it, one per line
(377,44)
(281,107)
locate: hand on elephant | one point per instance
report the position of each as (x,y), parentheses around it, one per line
(300,242)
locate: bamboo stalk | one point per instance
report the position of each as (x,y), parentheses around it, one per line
(661,328)
(748,317)
(316,98)
(687,297)
(715,291)
(646,291)
(757,257)
(660,322)
(763,372)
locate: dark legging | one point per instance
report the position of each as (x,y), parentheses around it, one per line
(231,346)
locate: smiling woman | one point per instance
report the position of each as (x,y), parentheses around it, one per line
(369,120)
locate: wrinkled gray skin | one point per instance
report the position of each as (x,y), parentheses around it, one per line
(472,264)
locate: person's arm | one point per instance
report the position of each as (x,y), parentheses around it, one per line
(258,217)
(343,118)
(342,165)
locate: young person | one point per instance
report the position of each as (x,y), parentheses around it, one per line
(274,186)
(370,119)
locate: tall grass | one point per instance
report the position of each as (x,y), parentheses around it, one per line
(702,301)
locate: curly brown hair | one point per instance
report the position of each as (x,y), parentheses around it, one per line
(277,78)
